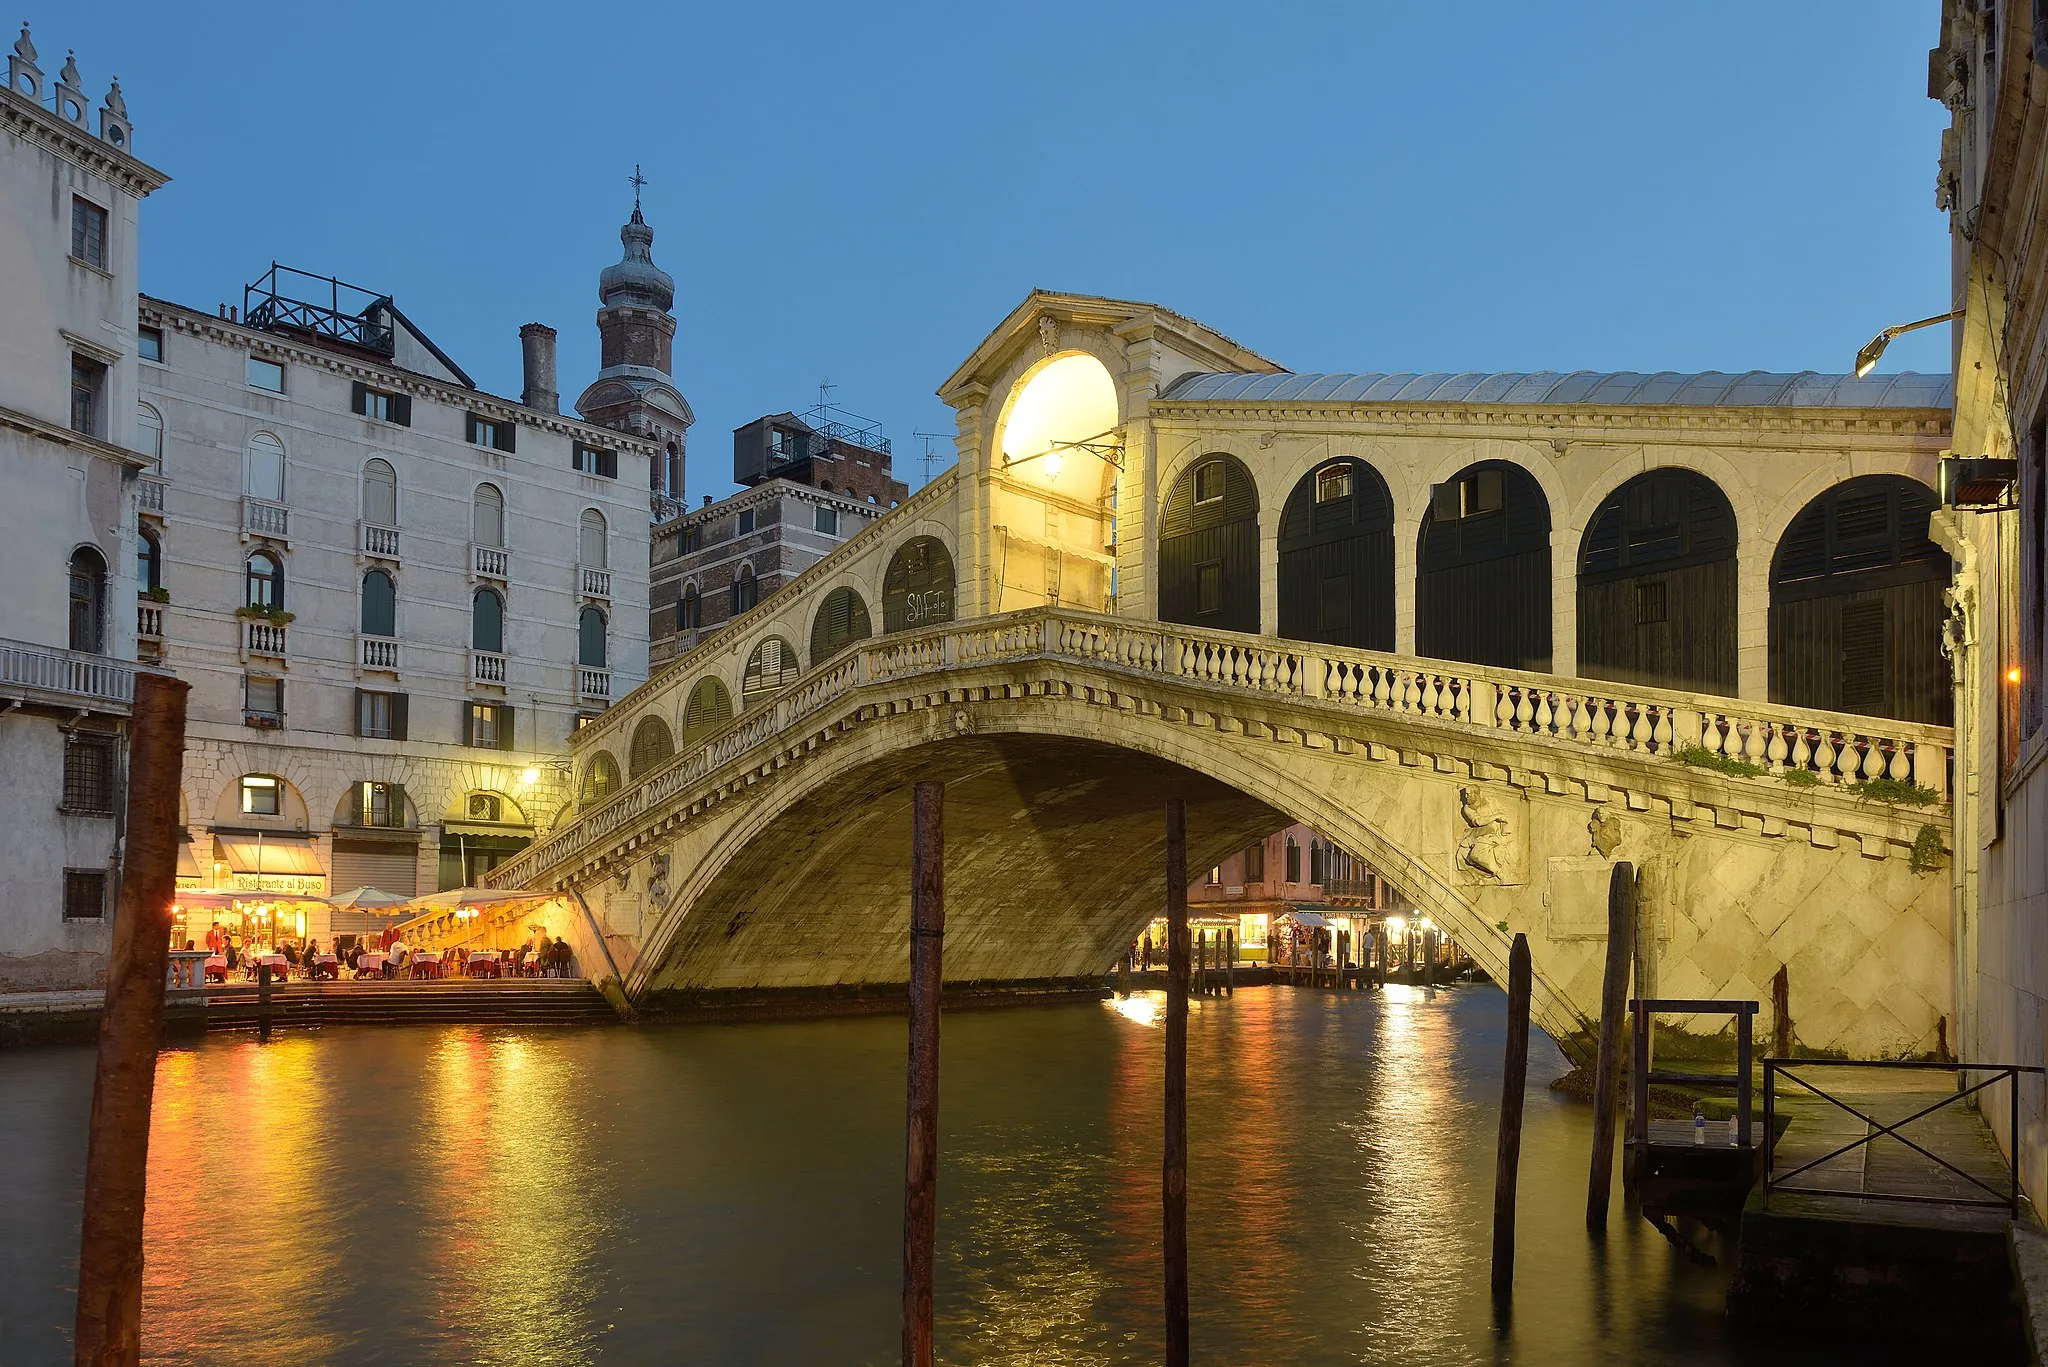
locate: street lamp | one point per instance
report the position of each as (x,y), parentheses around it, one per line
(1866,359)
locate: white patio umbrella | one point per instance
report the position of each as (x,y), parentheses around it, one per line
(364,899)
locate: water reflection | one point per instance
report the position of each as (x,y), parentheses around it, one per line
(733,1195)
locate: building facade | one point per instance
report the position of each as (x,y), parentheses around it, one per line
(811,483)
(394,595)
(70,193)
(1990,68)
(1297,876)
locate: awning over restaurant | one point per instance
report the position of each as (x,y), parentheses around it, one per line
(188,863)
(1307,918)
(476,830)
(293,854)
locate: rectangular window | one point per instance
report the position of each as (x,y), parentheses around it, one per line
(259,795)
(1480,493)
(746,522)
(88,395)
(1209,588)
(1333,483)
(1255,863)
(85,894)
(1650,603)
(380,804)
(827,521)
(375,403)
(380,716)
(149,343)
(692,539)
(1216,876)
(487,725)
(89,775)
(89,232)
(485,432)
(1209,482)
(266,375)
(263,700)
(592,460)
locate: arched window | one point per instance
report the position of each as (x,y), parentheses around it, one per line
(1856,604)
(666,470)
(600,779)
(88,600)
(380,493)
(149,563)
(590,544)
(1293,861)
(709,707)
(1482,592)
(149,436)
(1337,558)
(842,619)
(263,468)
(380,605)
(264,584)
(1318,862)
(692,612)
(590,651)
(1657,585)
(745,591)
(487,622)
(1209,547)
(772,666)
(917,589)
(652,746)
(487,517)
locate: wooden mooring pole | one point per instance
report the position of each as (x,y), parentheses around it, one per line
(1174,1177)
(1621,941)
(921,1125)
(1123,975)
(1230,963)
(108,1328)
(1508,1159)
(1781,1013)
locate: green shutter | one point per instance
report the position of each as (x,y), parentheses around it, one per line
(398,710)
(469,427)
(359,397)
(463,729)
(508,436)
(401,409)
(504,726)
(398,804)
(359,711)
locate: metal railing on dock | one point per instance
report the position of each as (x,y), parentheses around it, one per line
(1876,1128)
(1645,1077)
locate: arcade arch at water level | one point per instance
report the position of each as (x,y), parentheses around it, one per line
(1070,693)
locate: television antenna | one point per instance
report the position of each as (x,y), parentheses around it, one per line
(930,455)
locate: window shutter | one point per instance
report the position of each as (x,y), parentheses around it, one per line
(504,727)
(398,709)
(359,397)
(508,434)
(359,711)
(469,427)
(397,804)
(401,409)
(280,698)
(463,728)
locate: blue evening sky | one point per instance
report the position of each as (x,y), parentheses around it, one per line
(862,191)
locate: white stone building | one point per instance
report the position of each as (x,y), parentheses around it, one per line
(394,595)
(68,210)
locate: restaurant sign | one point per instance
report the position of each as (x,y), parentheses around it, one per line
(294,884)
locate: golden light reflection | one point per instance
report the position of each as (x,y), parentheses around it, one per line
(1142,1007)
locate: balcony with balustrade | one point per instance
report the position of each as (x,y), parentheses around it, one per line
(594,582)
(489,562)
(72,679)
(149,495)
(263,518)
(149,629)
(377,652)
(487,667)
(378,542)
(593,685)
(262,638)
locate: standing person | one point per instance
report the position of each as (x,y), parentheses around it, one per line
(1148,951)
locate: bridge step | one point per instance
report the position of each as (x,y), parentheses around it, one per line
(559,1002)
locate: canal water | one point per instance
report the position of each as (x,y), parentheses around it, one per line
(732,1194)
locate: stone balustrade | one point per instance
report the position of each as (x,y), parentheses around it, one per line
(1834,748)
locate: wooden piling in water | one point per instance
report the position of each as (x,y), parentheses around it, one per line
(1230,963)
(1174,1175)
(1781,1013)
(108,1326)
(1621,938)
(263,1001)
(921,1120)
(1508,1156)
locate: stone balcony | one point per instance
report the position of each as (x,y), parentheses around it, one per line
(377,652)
(265,519)
(262,638)
(378,542)
(594,582)
(70,678)
(487,667)
(489,562)
(594,684)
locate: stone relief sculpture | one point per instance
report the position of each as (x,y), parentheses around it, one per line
(1605,831)
(1048,334)
(1489,846)
(657,879)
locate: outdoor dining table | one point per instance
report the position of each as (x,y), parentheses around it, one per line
(217,966)
(483,963)
(326,964)
(277,962)
(369,965)
(426,964)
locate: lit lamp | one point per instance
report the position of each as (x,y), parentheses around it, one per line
(1106,446)
(1866,359)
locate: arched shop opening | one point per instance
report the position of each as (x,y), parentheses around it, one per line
(482,830)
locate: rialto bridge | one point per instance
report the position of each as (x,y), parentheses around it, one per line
(1488,633)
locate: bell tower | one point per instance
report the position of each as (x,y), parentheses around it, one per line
(636,336)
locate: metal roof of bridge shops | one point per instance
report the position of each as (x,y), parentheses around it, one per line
(1611,389)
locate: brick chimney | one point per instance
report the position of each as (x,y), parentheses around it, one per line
(537,346)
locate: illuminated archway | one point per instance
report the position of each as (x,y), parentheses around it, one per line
(1051,483)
